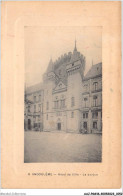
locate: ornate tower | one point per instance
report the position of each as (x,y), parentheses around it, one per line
(75,72)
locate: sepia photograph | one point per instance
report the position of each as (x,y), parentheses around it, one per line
(63,94)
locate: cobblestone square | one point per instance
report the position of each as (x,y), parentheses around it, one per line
(62,147)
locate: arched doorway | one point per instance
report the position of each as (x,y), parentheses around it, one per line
(59,124)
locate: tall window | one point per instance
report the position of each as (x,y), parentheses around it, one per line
(95,114)
(72,114)
(85,87)
(57,104)
(34,108)
(34,118)
(72,101)
(95,86)
(39,97)
(34,98)
(47,116)
(95,125)
(47,105)
(28,108)
(62,103)
(85,125)
(95,101)
(39,107)
(85,101)
(85,115)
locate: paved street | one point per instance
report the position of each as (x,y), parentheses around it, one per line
(61,147)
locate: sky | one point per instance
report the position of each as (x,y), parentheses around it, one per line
(44,43)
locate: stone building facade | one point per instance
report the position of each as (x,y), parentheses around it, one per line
(70,101)
(33,111)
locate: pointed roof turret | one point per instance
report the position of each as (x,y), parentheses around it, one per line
(76,55)
(50,66)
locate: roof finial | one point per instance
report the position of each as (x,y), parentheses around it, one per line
(75,49)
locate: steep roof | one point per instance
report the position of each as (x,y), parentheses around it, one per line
(94,71)
(34,88)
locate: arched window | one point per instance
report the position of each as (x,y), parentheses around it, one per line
(85,101)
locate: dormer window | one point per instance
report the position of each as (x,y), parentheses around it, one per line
(60,85)
(60,72)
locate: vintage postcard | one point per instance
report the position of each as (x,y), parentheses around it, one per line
(61,94)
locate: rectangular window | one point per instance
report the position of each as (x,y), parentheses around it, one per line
(62,103)
(34,108)
(85,87)
(28,108)
(95,86)
(39,97)
(72,114)
(42,107)
(85,115)
(85,125)
(95,101)
(39,108)
(47,105)
(34,98)
(57,104)
(95,125)
(85,101)
(95,114)
(72,102)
